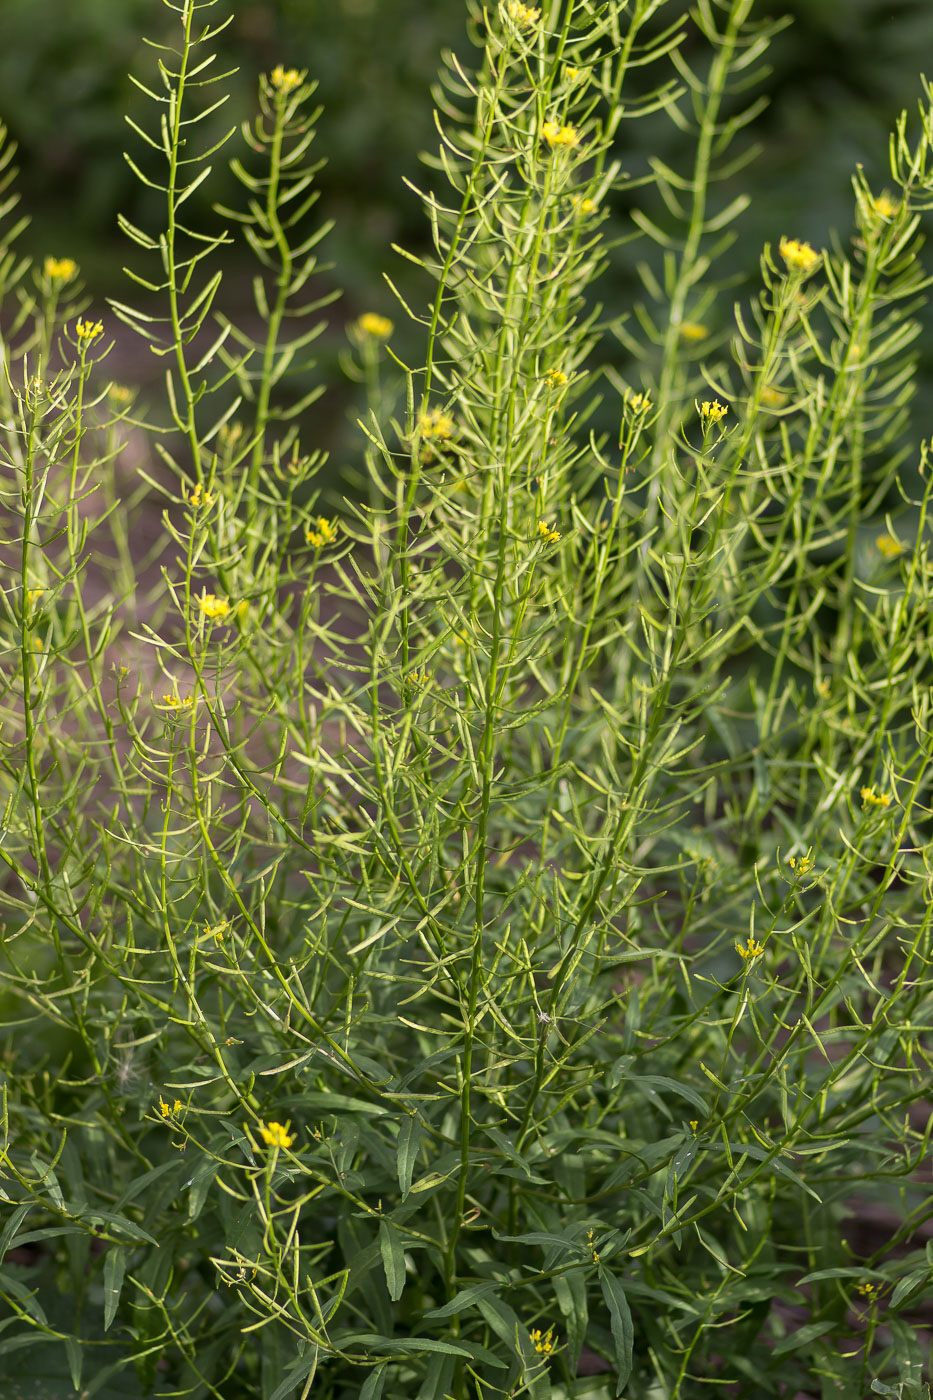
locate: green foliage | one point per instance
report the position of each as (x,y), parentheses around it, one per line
(472,938)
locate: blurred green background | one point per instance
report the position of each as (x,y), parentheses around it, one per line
(839,76)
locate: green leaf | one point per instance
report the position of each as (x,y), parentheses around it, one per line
(371,1388)
(409,1141)
(570,1292)
(907,1285)
(464,1299)
(114,1270)
(623,1333)
(393,1259)
(801,1336)
(75,1360)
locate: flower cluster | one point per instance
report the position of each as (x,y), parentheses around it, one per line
(60,269)
(435,423)
(170,1112)
(560,136)
(523,16)
(800,257)
(548,535)
(751,950)
(693,330)
(556,378)
(217,609)
(322,532)
(888,547)
(713,411)
(276,1135)
(800,865)
(284,79)
(89,330)
(543,1342)
(372,324)
(872,798)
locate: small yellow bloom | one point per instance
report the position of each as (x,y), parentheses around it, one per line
(556,135)
(168,1112)
(177,702)
(752,949)
(200,497)
(523,16)
(323,533)
(218,931)
(694,1124)
(713,412)
(60,269)
(871,798)
(867,1290)
(771,397)
(800,257)
(284,79)
(888,547)
(217,609)
(275,1135)
(435,424)
(89,330)
(693,330)
(543,1342)
(800,865)
(548,535)
(379,327)
(885,206)
(120,394)
(571,74)
(420,678)
(639,403)
(556,378)
(582,204)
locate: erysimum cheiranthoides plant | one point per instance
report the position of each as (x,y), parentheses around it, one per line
(473,940)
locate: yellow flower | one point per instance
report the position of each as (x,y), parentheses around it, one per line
(543,1342)
(119,393)
(639,403)
(217,609)
(694,1124)
(871,798)
(800,257)
(324,534)
(884,205)
(556,378)
(284,79)
(753,949)
(582,204)
(420,678)
(274,1135)
(800,865)
(379,327)
(435,424)
(218,931)
(167,1112)
(888,547)
(200,497)
(556,135)
(89,330)
(771,397)
(571,74)
(522,15)
(866,1289)
(548,535)
(60,269)
(693,330)
(176,702)
(713,412)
